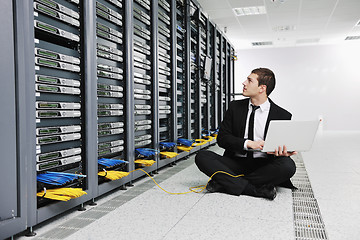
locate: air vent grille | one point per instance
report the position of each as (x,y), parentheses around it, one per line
(284,28)
(307,41)
(308,223)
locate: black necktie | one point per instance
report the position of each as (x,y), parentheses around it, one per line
(251,127)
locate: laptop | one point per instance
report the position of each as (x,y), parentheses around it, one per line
(295,135)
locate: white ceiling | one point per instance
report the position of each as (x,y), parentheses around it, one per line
(312,21)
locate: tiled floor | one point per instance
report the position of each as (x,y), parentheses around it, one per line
(146,212)
(333,167)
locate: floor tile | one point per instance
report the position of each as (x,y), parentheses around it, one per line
(205,227)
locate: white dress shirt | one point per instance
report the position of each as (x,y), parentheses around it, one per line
(260,118)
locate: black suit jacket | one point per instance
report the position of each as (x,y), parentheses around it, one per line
(232,128)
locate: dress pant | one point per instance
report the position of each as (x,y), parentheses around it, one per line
(257,171)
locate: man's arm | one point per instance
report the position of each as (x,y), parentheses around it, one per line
(226,138)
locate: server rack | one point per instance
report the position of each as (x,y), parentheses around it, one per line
(60,99)
(212,96)
(193,38)
(145,68)
(101,89)
(111,84)
(167,78)
(203,86)
(182,94)
(14,96)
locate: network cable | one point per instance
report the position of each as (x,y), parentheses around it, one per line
(58,178)
(185,142)
(146,152)
(108,162)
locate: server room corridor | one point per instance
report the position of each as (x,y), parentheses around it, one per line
(146,212)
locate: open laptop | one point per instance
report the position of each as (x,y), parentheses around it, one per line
(295,135)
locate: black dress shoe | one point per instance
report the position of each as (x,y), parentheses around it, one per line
(213,186)
(266,191)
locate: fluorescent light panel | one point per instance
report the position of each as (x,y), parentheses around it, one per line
(352,38)
(248,11)
(261,43)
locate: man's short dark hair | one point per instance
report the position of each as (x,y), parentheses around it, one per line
(265,77)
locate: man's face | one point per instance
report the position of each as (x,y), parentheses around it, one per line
(251,86)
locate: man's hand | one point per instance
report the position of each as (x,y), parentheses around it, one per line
(255,144)
(282,152)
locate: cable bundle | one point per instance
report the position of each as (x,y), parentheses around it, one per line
(185,142)
(146,163)
(199,142)
(108,162)
(61,194)
(209,138)
(58,178)
(113,175)
(184,148)
(169,154)
(146,152)
(167,144)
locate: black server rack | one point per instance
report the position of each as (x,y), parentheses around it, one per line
(145,82)
(102,79)
(218,79)
(182,103)
(59,89)
(110,88)
(194,85)
(212,100)
(203,84)
(166,54)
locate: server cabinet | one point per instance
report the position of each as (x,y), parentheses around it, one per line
(145,81)
(194,85)
(13,207)
(203,63)
(86,80)
(112,109)
(60,104)
(182,73)
(166,54)
(213,107)
(8,170)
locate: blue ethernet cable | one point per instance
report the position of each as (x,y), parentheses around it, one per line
(185,142)
(147,152)
(167,144)
(108,162)
(58,178)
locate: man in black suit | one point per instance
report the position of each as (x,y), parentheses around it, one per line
(244,128)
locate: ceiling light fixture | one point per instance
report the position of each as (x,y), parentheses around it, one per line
(352,38)
(248,11)
(261,43)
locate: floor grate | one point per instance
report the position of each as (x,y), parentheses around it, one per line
(308,223)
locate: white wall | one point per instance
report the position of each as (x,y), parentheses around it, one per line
(312,81)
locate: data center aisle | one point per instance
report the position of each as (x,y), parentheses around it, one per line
(333,166)
(146,212)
